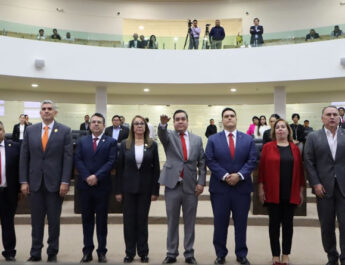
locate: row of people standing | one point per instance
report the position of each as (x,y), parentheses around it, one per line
(141,43)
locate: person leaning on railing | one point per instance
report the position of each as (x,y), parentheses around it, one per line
(312,35)
(337,32)
(256,32)
(152,43)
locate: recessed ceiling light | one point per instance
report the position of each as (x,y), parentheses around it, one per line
(34,85)
(175,39)
(146,90)
(233,89)
(141,27)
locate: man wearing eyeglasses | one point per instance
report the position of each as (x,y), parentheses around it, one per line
(45,171)
(184,161)
(94,158)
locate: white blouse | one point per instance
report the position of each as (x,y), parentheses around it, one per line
(261,130)
(21,131)
(139,154)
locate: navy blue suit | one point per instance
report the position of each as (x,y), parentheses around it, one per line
(94,199)
(225,198)
(9,198)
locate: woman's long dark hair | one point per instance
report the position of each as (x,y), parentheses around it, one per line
(262,116)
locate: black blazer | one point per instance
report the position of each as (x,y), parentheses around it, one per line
(16,131)
(124,132)
(12,151)
(267,136)
(258,32)
(131,44)
(83,128)
(297,132)
(130,179)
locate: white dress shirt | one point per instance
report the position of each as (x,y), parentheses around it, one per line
(139,154)
(21,131)
(234,137)
(332,141)
(50,128)
(3,164)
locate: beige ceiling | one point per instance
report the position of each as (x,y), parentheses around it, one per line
(65,86)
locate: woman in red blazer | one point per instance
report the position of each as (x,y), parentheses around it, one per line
(281,185)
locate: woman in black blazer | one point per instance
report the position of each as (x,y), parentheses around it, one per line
(256,32)
(137,185)
(19,129)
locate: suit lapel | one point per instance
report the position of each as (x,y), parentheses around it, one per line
(100,143)
(225,145)
(52,136)
(340,138)
(179,143)
(39,136)
(238,143)
(324,141)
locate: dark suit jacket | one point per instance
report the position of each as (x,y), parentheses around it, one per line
(309,37)
(123,134)
(211,129)
(83,128)
(16,132)
(258,32)
(99,163)
(142,44)
(219,161)
(267,136)
(130,179)
(131,44)
(54,165)
(12,151)
(321,166)
(297,132)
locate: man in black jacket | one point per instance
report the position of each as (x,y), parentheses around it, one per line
(211,129)
(117,131)
(9,189)
(217,35)
(85,126)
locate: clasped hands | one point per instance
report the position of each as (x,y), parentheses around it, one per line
(232,179)
(91,180)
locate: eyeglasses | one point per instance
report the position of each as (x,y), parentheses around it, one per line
(139,123)
(49,108)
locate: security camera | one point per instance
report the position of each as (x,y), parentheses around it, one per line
(118,13)
(247,13)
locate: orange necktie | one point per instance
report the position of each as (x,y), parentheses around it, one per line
(45,138)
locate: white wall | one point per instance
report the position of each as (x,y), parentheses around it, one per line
(267,64)
(99,16)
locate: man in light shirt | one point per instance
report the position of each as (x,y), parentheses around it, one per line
(45,170)
(9,188)
(194,35)
(324,158)
(151,128)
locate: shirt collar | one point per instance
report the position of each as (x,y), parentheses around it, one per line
(329,133)
(99,137)
(117,128)
(234,133)
(185,133)
(50,126)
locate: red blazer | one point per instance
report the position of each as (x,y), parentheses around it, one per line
(269,173)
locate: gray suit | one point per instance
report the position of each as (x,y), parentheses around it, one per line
(323,169)
(44,172)
(177,193)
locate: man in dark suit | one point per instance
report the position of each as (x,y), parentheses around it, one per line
(135,43)
(85,126)
(312,35)
(341,117)
(324,157)
(211,129)
(117,131)
(185,160)
(19,129)
(94,158)
(9,188)
(256,32)
(45,170)
(231,156)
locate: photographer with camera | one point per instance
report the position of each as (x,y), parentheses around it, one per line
(217,35)
(194,34)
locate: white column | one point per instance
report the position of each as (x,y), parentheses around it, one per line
(280,101)
(101,101)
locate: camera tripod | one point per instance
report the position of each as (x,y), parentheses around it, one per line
(189,35)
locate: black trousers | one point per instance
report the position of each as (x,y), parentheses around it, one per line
(94,202)
(7,211)
(281,213)
(136,209)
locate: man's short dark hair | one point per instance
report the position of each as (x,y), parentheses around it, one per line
(295,115)
(99,115)
(41,30)
(195,20)
(275,115)
(87,115)
(211,119)
(306,121)
(341,108)
(226,109)
(147,119)
(180,111)
(116,116)
(22,115)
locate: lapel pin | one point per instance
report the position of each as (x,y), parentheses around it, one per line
(56,130)
(10,145)
(103,140)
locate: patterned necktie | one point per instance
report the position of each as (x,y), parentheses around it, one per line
(45,138)
(231,145)
(94,145)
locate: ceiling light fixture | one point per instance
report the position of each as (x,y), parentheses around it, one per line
(146,90)
(233,89)
(141,27)
(34,85)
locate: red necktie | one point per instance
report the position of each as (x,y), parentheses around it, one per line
(184,149)
(231,145)
(95,144)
